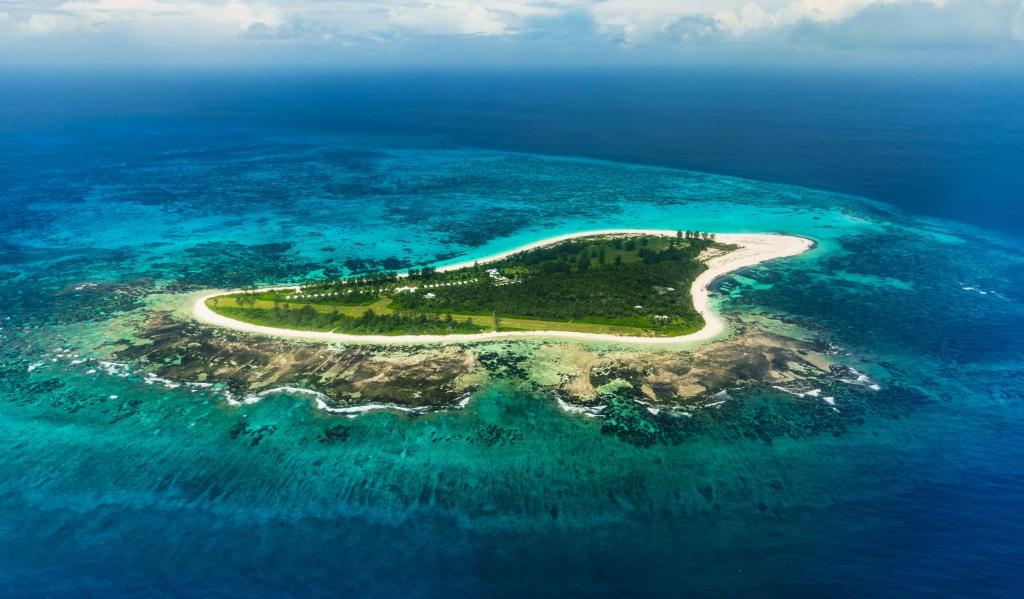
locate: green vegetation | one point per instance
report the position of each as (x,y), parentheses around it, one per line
(619,284)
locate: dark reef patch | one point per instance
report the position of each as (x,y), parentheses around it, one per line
(255,434)
(756,413)
(225,264)
(492,435)
(336,433)
(630,421)
(505,362)
(45,303)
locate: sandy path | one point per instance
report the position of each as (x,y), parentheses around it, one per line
(754,249)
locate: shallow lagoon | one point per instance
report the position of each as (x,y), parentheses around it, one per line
(114,482)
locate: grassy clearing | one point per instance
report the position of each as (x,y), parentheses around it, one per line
(381,306)
(259,314)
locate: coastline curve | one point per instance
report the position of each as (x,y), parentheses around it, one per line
(754,248)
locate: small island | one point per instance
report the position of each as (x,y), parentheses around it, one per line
(626,284)
(619,284)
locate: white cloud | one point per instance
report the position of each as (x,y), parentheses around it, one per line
(634,20)
(46,23)
(471,17)
(751,17)
(1018,22)
(171,17)
(449,18)
(912,26)
(594,23)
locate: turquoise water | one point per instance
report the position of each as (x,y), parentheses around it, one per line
(114,485)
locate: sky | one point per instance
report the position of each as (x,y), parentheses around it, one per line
(513,32)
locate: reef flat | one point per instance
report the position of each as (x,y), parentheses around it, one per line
(595,380)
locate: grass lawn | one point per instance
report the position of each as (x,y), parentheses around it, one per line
(229,307)
(380,306)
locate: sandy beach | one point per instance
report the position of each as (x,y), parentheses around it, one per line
(754,248)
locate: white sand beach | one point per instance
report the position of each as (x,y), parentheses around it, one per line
(754,248)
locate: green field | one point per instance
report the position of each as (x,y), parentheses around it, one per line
(228,306)
(613,284)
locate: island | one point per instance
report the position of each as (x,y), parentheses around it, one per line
(617,285)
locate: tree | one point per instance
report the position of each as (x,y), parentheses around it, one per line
(583,263)
(307,314)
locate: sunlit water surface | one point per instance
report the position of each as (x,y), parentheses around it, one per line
(110,484)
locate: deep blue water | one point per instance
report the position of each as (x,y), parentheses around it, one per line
(153,183)
(943,143)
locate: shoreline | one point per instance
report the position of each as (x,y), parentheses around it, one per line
(754,248)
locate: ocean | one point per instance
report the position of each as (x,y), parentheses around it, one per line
(123,191)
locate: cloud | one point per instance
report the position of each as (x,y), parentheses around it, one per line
(956,24)
(46,23)
(583,27)
(153,17)
(694,30)
(449,18)
(1018,22)
(636,19)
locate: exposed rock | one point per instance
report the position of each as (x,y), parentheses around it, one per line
(346,375)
